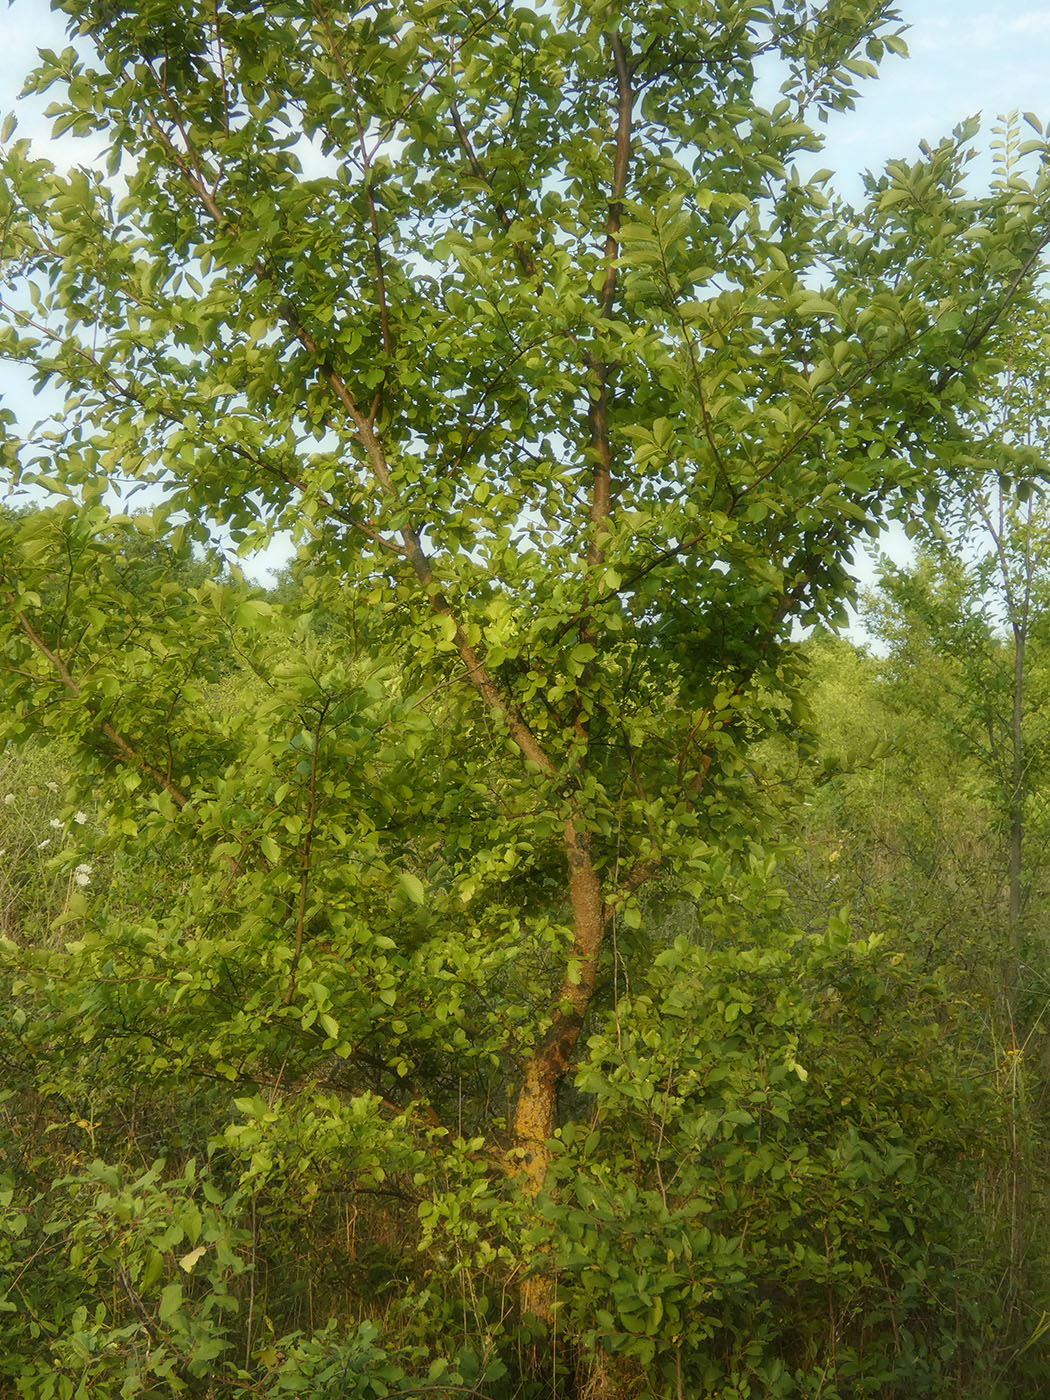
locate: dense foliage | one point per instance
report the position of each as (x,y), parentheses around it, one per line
(418,978)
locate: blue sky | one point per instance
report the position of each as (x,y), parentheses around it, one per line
(967,57)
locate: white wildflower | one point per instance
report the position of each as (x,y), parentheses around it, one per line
(82,876)
(9,799)
(43,845)
(80,818)
(55,824)
(52,786)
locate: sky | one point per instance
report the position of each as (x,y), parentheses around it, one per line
(967,57)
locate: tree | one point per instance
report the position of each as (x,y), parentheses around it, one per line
(906,824)
(967,626)
(576,398)
(967,633)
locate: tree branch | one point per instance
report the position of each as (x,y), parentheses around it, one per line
(126,752)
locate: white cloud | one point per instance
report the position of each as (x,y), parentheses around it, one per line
(1032,22)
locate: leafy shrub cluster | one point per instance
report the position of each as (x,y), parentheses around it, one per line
(765,1186)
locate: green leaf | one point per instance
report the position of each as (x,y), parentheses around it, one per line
(252,612)
(411,886)
(170,1301)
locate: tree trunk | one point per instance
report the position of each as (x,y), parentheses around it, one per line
(1013,958)
(1016,852)
(534,1118)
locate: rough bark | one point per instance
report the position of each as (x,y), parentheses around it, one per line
(534,1118)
